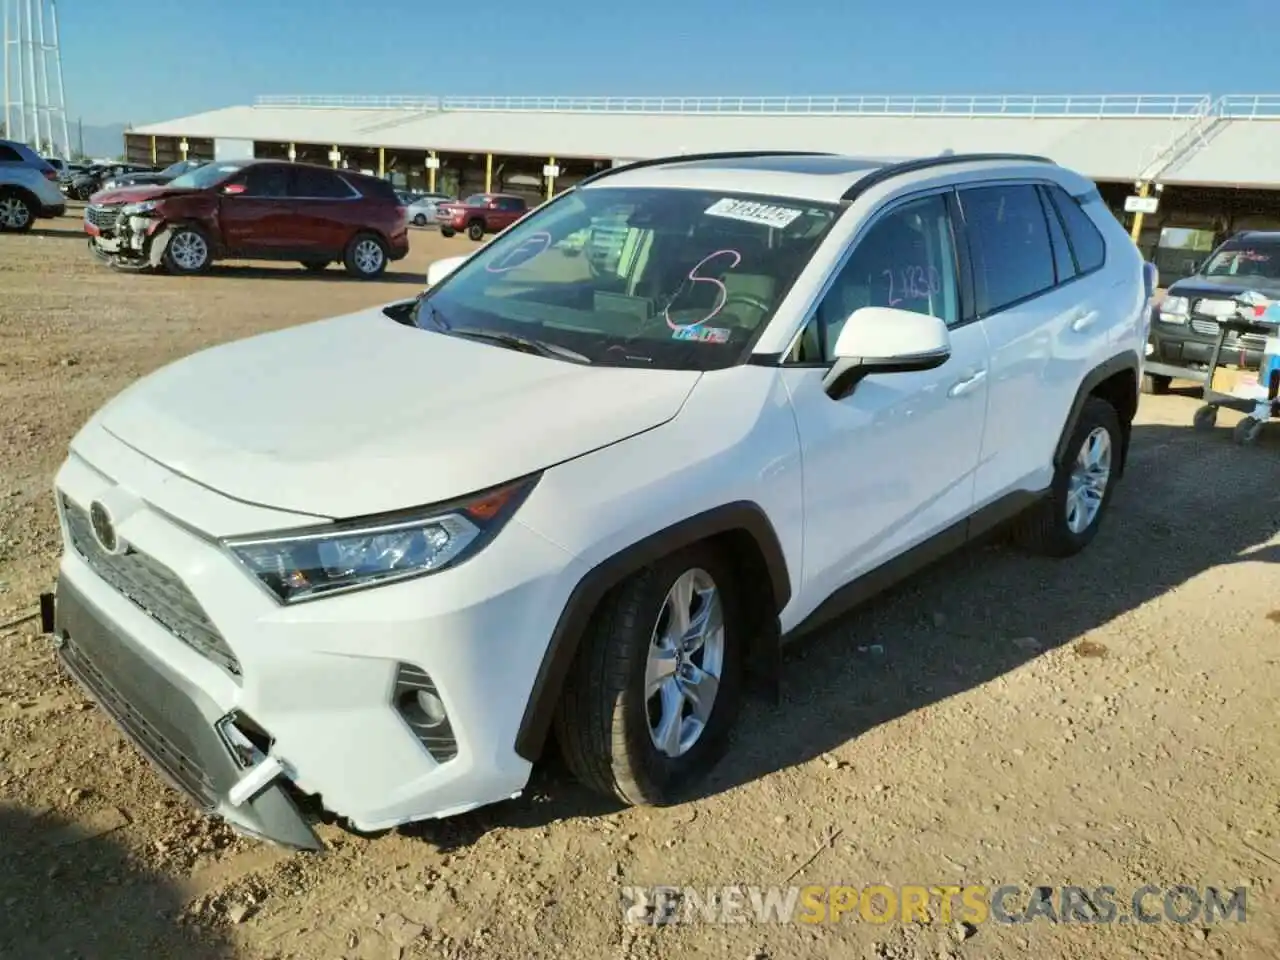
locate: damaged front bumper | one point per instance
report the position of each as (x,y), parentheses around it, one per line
(124,240)
(215,759)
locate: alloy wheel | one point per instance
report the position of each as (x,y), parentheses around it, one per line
(14,213)
(368,256)
(1088,482)
(685,663)
(189,251)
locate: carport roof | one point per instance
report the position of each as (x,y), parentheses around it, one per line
(1105,139)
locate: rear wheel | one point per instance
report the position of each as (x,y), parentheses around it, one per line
(187,250)
(475,230)
(16,214)
(1066,521)
(366,256)
(1155,384)
(656,685)
(447,231)
(420,220)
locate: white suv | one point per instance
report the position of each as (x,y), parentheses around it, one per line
(375,559)
(28,188)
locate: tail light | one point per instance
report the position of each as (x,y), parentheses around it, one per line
(51,174)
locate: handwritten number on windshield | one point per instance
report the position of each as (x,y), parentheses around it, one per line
(721,294)
(914,283)
(531,246)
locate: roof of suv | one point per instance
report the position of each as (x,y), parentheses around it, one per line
(815,176)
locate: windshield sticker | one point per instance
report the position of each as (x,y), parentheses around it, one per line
(699,334)
(532,246)
(721,294)
(765,214)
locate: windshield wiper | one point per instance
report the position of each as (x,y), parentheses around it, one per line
(539,348)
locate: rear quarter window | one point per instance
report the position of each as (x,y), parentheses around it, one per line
(1087,244)
(377,189)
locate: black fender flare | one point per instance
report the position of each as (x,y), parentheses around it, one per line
(1121,362)
(738,517)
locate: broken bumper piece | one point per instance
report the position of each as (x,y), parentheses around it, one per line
(199,751)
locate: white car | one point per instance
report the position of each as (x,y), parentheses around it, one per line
(420,208)
(590,492)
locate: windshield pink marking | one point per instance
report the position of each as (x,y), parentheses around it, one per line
(693,276)
(534,245)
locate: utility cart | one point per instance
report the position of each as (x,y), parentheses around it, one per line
(1230,384)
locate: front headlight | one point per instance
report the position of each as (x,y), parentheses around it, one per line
(137,209)
(1174,310)
(339,557)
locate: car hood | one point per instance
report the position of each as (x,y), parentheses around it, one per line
(1199,286)
(361,415)
(135,194)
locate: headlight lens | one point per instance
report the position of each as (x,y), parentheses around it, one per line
(137,209)
(1174,310)
(306,564)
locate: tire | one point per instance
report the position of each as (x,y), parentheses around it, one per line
(365,256)
(447,231)
(16,212)
(420,220)
(475,230)
(1205,418)
(605,721)
(1247,432)
(315,266)
(1053,527)
(187,251)
(1155,384)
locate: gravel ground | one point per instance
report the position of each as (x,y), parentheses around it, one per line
(1109,720)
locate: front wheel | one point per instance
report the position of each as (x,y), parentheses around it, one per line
(187,251)
(475,230)
(16,214)
(420,220)
(447,231)
(656,685)
(1066,521)
(366,256)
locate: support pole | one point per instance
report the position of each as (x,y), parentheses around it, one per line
(551,180)
(62,90)
(153,149)
(44,81)
(488,173)
(1143,190)
(431,172)
(31,77)
(382,161)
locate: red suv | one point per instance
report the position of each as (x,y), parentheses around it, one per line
(252,210)
(480,214)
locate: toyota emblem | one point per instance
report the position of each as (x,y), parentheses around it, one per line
(104,531)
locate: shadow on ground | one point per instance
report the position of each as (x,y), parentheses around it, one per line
(285,271)
(66,892)
(1189,502)
(59,233)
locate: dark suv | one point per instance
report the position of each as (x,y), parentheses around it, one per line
(1185,329)
(252,210)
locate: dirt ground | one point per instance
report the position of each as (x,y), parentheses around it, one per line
(1109,720)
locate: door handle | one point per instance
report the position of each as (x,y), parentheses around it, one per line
(961,387)
(1084,321)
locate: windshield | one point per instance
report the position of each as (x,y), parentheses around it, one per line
(205,176)
(476,200)
(665,278)
(1245,259)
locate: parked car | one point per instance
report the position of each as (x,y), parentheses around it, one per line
(375,559)
(255,210)
(28,187)
(1186,327)
(480,214)
(151,177)
(422,208)
(84,185)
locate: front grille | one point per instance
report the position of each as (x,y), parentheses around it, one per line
(153,588)
(103,216)
(1211,328)
(181,770)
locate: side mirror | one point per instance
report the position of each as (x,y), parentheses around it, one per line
(442,268)
(885,340)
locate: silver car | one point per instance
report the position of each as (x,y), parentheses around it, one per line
(421,207)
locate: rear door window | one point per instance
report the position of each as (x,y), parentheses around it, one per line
(268,182)
(1009,242)
(1086,240)
(1063,262)
(311,184)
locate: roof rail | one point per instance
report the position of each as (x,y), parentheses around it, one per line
(694,157)
(891,170)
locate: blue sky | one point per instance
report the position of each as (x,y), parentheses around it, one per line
(152,60)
